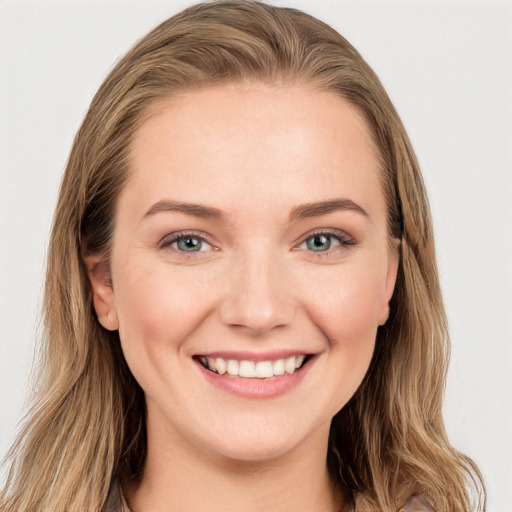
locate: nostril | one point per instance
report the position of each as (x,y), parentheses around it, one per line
(259,317)
(257,294)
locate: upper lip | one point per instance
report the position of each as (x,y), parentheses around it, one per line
(245,355)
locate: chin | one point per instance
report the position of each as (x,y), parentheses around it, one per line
(269,439)
(251,451)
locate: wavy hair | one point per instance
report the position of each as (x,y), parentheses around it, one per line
(85,433)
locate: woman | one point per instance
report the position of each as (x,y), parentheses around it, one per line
(241,287)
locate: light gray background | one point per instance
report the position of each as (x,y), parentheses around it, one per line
(447,66)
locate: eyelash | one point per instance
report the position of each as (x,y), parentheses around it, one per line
(341,237)
(173,238)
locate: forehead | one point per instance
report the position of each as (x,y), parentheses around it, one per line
(247,140)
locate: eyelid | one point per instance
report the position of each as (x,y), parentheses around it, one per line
(173,237)
(341,235)
(165,242)
(344,239)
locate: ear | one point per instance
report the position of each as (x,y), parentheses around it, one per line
(393,262)
(98,270)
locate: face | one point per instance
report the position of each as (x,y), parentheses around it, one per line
(251,267)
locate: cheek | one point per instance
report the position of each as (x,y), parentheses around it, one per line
(346,304)
(351,347)
(345,308)
(158,306)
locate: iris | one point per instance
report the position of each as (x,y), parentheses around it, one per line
(189,244)
(319,243)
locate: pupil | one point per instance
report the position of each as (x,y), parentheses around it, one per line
(189,244)
(319,243)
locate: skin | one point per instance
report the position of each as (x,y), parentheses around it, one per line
(255,153)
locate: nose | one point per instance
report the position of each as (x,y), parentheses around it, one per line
(258,296)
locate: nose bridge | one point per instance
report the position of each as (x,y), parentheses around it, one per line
(258,296)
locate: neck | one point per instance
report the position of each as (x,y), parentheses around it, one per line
(176,478)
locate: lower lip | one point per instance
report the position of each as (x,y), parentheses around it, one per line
(256,388)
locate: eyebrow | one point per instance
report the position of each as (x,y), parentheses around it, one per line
(299,212)
(325,207)
(197,210)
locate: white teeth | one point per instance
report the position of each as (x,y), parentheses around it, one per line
(232,367)
(251,369)
(246,369)
(220,365)
(289,365)
(278,367)
(264,369)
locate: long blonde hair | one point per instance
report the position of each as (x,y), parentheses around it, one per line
(85,433)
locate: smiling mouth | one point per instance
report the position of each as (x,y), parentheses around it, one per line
(254,369)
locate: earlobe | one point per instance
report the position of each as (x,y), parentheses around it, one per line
(384,314)
(98,270)
(108,319)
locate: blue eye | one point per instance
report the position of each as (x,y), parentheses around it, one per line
(184,243)
(329,243)
(189,244)
(319,243)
